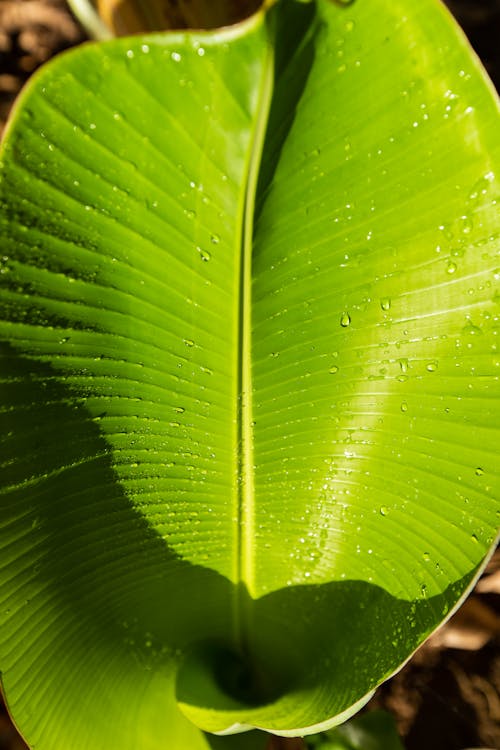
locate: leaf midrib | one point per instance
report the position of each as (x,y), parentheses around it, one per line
(245,489)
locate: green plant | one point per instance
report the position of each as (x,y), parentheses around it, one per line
(374,730)
(249,372)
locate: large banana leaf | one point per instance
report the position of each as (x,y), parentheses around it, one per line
(250,412)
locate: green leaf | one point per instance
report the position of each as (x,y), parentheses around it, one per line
(249,372)
(374,730)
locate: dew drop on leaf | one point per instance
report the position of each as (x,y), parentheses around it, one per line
(467,224)
(426,557)
(175,56)
(479,471)
(431,366)
(404,406)
(451,267)
(345,320)
(334,369)
(471,329)
(385,303)
(189,342)
(204,254)
(481,186)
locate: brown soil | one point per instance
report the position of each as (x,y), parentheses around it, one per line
(31,31)
(448,696)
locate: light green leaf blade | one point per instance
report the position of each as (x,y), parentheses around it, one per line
(282,441)
(374,354)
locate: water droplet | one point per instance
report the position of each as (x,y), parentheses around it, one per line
(403,365)
(451,267)
(179,409)
(467,224)
(200,51)
(204,254)
(431,366)
(130,54)
(470,329)
(345,320)
(481,186)
(474,538)
(384,510)
(189,342)
(404,406)
(333,369)
(349,25)
(175,424)
(145,48)
(385,303)
(175,56)
(479,471)
(426,557)
(274,355)
(215,239)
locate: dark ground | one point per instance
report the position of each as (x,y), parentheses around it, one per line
(448,696)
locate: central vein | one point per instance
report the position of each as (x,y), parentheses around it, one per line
(245,544)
